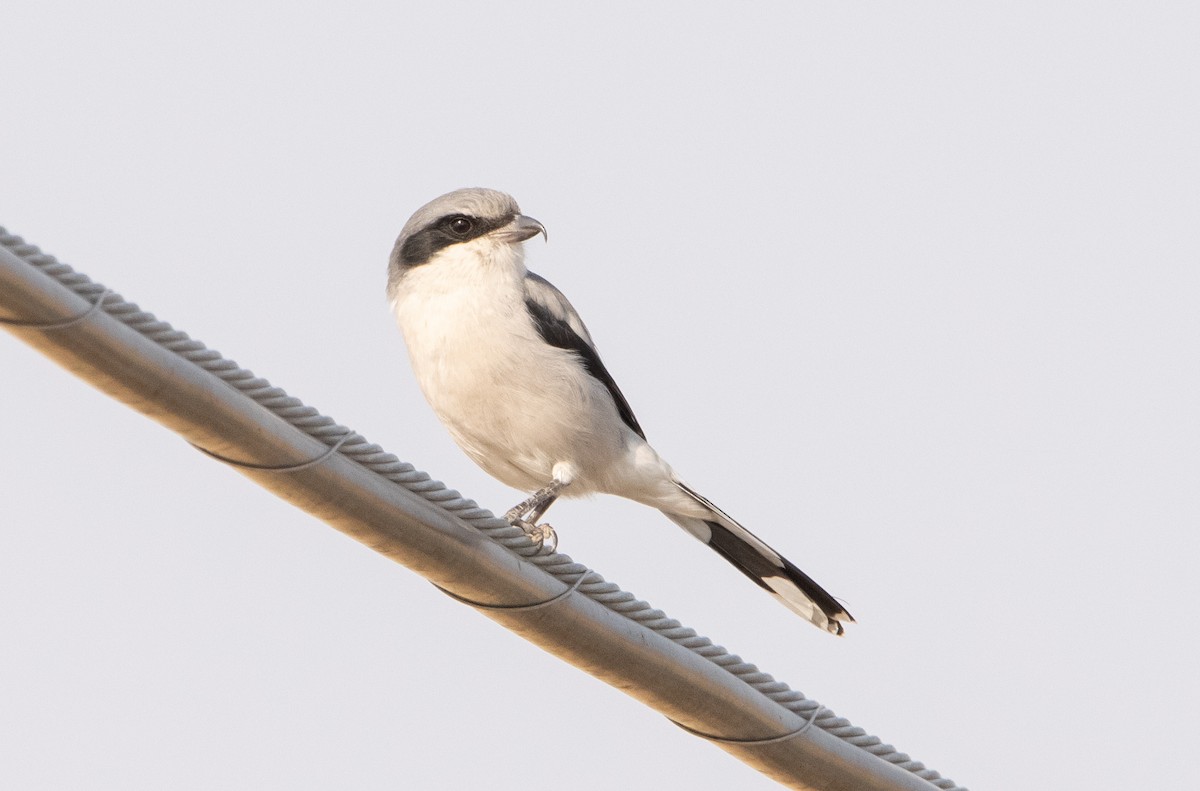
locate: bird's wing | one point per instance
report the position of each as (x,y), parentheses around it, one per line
(559,325)
(540,290)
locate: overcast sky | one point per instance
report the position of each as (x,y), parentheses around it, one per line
(910,290)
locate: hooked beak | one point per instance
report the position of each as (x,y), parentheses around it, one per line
(522,228)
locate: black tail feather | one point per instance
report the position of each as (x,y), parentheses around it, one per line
(766,567)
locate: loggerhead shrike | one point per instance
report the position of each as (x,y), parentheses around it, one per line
(511,370)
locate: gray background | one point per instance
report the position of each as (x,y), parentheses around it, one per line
(909,291)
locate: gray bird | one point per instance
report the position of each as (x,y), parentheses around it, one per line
(510,369)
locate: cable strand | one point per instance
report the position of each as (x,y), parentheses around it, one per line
(374,458)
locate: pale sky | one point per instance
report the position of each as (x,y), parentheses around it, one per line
(911,291)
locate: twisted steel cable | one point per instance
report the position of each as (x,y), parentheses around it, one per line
(379,461)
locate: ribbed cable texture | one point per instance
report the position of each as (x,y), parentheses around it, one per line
(374,458)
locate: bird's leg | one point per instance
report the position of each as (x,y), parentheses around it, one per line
(526,513)
(540,511)
(537,503)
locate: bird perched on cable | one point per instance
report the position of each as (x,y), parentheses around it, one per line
(511,370)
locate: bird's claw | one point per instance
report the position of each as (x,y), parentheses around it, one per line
(543,535)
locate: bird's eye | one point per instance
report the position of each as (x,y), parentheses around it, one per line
(460,225)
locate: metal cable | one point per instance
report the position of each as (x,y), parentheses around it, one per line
(371,456)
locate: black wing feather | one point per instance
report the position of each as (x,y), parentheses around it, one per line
(558,333)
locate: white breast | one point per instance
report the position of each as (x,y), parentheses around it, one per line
(514,404)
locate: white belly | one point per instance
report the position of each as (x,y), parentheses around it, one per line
(517,406)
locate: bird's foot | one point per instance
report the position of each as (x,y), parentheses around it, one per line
(526,513)
(514,516)
(543,535)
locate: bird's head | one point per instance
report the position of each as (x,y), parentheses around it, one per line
(472,221)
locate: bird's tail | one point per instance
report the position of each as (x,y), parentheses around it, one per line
(770,570)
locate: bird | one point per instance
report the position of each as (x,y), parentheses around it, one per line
(508,366)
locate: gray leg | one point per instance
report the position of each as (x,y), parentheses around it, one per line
(526,513)
(540,511)
(537,504)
